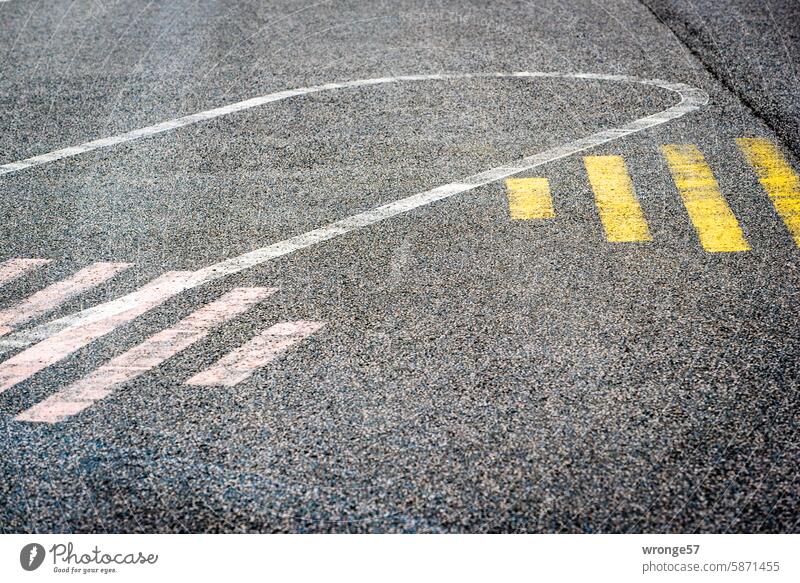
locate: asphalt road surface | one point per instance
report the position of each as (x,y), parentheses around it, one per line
(609,341)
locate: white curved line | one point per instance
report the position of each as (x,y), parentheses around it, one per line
(689,95)
(691,100)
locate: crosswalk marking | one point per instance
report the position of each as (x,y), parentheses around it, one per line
(781,183)
(57,347)
(14,268)
(619,209)
(142,358)
(529,198)
(716,225)
(240,364)
(54,295)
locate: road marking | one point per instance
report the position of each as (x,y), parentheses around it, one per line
(14,268)
(240,364)
(144,357)
(57,347)
(716,225)
(777,178)
(620,212)
(55,295)
(691,100)
(529,198)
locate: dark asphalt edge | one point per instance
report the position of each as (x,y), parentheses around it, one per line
(686,34)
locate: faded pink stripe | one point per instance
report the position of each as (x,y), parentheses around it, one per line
(39,356)
(147,355)
(53,296)
(14,268)
(239,364)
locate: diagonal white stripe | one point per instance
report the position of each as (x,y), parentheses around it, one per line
(14,268)
(241,363)
(56,294)
(144,357)
(691,100)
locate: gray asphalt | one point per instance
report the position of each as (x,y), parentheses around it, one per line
(475,374)
(753,48)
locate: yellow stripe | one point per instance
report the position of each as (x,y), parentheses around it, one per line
(619,210)
(529,198)
(778,179)
(714,220)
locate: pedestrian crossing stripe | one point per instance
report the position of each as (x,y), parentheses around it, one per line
(716,225)
(144,357)
(57,294)
(529,198)
(621,214)
(239,365)
(16,268)
(781,183)
(617,205)
(229,371)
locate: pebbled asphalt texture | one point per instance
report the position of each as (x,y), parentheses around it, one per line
(475,374)
(751,47)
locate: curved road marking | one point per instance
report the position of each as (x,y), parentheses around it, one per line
(692,99)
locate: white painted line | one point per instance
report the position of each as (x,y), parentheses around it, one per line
(55,295)
(240,364)
(57,347)
(144,357)
(14,268)
(691,99)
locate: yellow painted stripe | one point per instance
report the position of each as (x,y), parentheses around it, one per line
(716,225)
(619,210)
(529,198)
(778,179)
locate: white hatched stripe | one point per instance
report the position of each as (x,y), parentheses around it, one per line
(55,295)
(14,268)
(144,357)
(691,100)
(240,364)
(28,362)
